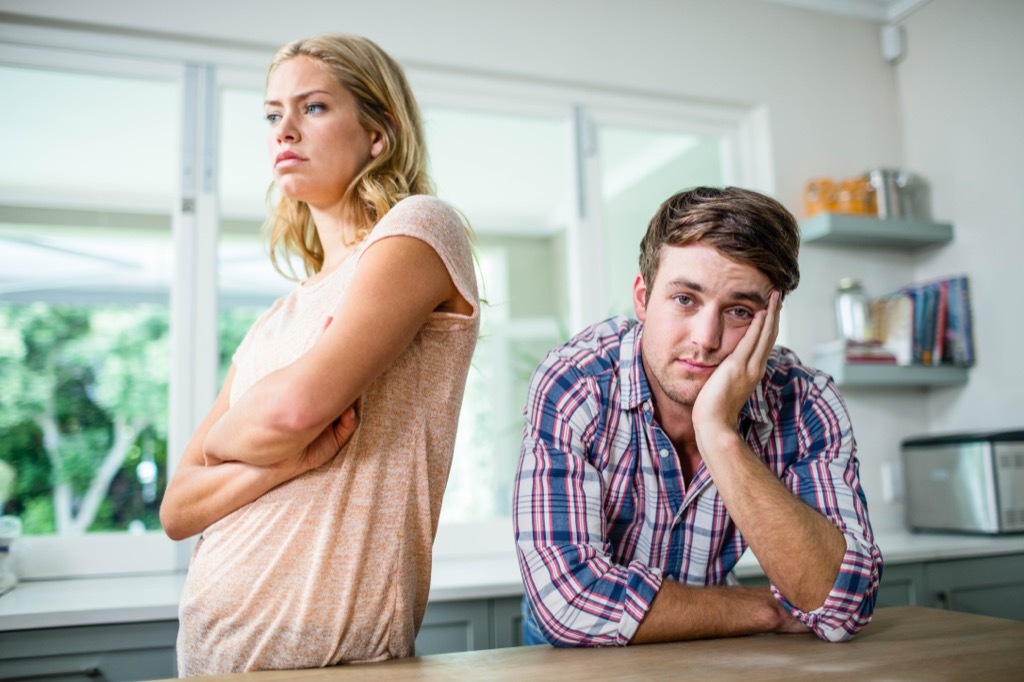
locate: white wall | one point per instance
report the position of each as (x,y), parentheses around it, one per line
(962,96)
(833,107)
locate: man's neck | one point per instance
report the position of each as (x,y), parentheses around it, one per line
(677,423)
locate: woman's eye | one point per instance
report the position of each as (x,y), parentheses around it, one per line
(314,108)
(273,118)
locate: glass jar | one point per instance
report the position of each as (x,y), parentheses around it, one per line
(852,312)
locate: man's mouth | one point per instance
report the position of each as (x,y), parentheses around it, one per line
(695,365)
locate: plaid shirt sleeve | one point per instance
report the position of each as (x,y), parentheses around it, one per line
(579,596)
(825,476)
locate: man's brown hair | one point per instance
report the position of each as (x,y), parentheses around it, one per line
(743,225)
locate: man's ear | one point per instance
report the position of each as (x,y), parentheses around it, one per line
(640,298)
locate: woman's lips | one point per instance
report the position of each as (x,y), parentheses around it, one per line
(286,159)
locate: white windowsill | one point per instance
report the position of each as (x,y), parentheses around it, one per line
(96,601)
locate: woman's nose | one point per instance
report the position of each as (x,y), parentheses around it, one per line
(286,130)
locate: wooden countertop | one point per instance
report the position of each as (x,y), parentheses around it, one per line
(902,643)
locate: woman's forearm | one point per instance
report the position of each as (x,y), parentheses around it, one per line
(262,428)
(199,495)
(202,495)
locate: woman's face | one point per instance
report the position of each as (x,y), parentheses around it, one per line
(316,143)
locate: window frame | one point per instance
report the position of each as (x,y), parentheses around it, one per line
(202,70)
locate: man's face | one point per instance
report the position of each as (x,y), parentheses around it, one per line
(698,309)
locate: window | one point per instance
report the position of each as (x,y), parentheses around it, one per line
(511,175)
(85,229)
(246,281)
(640,168)
(139,185)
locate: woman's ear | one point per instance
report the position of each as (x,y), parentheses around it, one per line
(377,144)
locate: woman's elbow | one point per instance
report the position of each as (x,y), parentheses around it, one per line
(294,413)
(172,522)
(176,534)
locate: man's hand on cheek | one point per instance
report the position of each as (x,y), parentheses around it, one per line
(719,402)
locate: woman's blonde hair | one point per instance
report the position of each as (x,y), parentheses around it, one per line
(385,105)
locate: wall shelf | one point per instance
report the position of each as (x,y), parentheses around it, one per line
(851,375)
(837,229)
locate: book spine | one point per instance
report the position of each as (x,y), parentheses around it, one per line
(968,323)
(938,326)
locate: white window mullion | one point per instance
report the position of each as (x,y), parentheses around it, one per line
(194,283)
(588,294)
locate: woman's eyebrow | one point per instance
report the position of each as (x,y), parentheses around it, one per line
(300,96)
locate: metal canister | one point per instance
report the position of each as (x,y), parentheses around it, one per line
(892,190)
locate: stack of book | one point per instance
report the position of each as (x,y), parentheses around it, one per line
(921,324)
(927,324)
(849,352)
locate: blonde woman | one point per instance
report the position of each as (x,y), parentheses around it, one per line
(316,479)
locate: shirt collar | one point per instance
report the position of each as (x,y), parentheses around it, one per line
(635,391)
(632,379)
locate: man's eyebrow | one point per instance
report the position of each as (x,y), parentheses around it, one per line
(754,297)
(298,97)
(683,283)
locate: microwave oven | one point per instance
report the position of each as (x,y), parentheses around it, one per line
(970,483)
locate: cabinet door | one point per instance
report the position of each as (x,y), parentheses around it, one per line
(902,585)
(450,627)
(137,651)
(507,622)
(990,586)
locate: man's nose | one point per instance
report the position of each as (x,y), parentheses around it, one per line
(706,331)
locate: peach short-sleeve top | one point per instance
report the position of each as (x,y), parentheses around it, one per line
(334,566)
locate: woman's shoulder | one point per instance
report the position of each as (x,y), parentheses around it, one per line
(425,217)
(422,209)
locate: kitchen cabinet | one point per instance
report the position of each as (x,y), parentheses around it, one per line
(124,651)
(902,585)
(993,586)
(839,230)
(141,651)
(470,625)
(455,626)
(987,586)
(507,622)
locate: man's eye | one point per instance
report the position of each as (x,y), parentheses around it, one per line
(742,313)
(682,299)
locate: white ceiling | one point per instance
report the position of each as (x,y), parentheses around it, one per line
(881,11)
